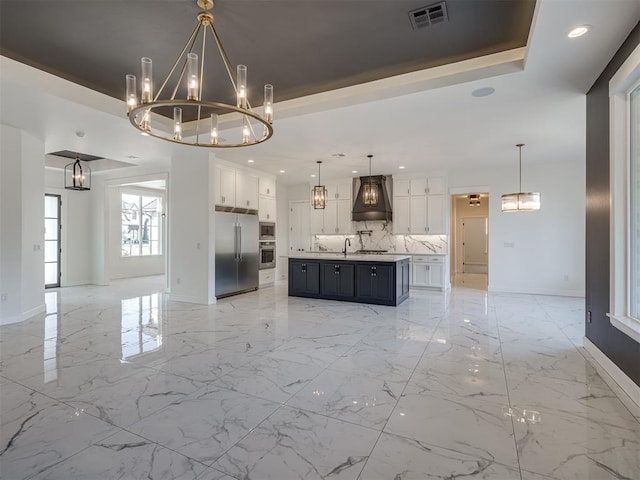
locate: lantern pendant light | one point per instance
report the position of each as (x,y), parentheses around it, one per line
(77,176)
(370,190)
(521,201)
(319,193)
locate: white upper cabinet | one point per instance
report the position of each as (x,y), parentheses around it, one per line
(401,188)
(225,184)
(436,224)
(435,186)
(267,186)
(331,218)
(401,215)
(344,223)
(343,189)
(418,186)
(267,210)
(246,190)
(317,221)
(419,206)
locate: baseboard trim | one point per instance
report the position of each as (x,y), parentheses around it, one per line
(616,375)
(42,308)
(537,291)
(190,299)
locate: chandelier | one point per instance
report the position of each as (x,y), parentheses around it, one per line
(201,115)
(521,201)
(319,193)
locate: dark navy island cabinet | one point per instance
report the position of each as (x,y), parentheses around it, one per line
(377,282)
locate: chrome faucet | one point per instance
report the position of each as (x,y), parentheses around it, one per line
(346,240)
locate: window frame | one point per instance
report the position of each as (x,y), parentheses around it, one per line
(140,193)
(625,81)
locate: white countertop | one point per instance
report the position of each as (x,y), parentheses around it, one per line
(411,254)
(351,256)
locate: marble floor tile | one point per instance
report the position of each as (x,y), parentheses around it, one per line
(294,443)
(39,434)
(316,353)
(570,447)
(465,379)
(135,397)
(213,474)
(269,378)
(359,399)
(124,455)
(377,362)
(396,457)
(204,425)
(474,427)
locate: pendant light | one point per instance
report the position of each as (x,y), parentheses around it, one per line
(319,193)
(77,176)
(521,201)
(474,200)
(370,190)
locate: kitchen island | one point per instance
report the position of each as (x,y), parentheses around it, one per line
(377,279)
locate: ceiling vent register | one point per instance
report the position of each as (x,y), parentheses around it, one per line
(431,15)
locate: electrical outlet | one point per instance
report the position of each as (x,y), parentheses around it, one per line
(509,244)
(4,298)
(178,280)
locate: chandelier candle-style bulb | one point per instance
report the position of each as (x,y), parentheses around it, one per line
(177,123)
(78,177)
(245,130)
(268,103)
(147,80)
(132,95)
(192,77)
(214,129)
(241,85)
(145,124)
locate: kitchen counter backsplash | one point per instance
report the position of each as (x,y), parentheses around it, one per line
(381,237)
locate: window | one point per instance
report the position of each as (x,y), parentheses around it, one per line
(624,95)
(141,225)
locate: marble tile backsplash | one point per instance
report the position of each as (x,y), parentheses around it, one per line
(379,236)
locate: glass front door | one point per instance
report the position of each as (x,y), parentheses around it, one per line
(51,241)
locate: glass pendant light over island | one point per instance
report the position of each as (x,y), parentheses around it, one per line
(196,119)
(521,201)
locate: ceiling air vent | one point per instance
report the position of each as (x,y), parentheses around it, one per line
(431,15)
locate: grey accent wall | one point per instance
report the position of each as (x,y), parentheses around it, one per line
(621,349)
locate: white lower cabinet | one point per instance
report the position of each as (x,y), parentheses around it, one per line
(266,277)
(429,271)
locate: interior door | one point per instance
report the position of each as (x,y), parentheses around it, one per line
(474,245)
(51,240)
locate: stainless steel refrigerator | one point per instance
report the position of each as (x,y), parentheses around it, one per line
(237,255)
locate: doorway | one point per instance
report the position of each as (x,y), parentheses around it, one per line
(52,248)
(470,240)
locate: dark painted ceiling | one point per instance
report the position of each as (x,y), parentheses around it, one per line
(300,46)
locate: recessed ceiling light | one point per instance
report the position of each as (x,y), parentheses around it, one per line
(354,171)
(250,161)
(313,175)
(401,167)
(144,134)
(579,31)
(483,92)
(281,171)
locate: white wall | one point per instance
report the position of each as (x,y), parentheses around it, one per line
(547,256)
(191,240)
(21,225)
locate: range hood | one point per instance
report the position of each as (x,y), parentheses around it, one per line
(381,211)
